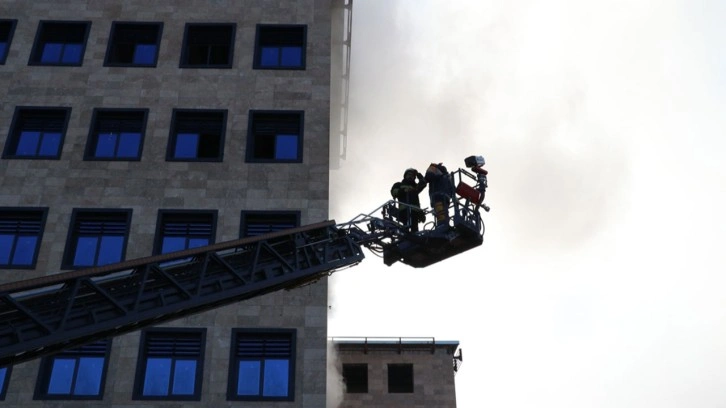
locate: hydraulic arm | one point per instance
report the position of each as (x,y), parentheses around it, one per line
(45,315)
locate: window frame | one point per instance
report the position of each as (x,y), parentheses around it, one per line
(42,214)
(11,24)
(114,114)
(21,116)
(360,386)
(119,28)
(234,359)
(45,372)
(190,37)
(398,385)
(163,213)
(142,364)
(260,40)
(36,54)
(71,246)
(246,214)
(204,118)
(255,116)
(5,382)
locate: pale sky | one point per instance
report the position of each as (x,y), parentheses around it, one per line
(600,282)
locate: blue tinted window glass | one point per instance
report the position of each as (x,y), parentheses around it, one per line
(85,251)
(286,147)
(110,249)
(6,245)
(248,380)
(106,145)
(291,57)
(269,56)
(129,144)
(144,54)
(51,52)
(3,49)
(61,376)
(50,144)
(184,374)
(24,250)
(198,242)
(72,53)
(88,380)
(276,378)
(171,244)
(186,145)
(156,379)
(28,143)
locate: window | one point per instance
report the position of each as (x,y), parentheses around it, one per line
(400,378)
(133,44)
(60,43)
(74,374)
(116,134)
(170,364)
(4,380)
(275,136)
(37,133)
(280,47)
(197,135)
(262,365)
(7,28)
(20,234)
(208,46)
(355,377)
(179,230)
(96,237)
(264,222)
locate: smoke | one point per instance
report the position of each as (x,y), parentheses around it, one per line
(451,80)
(335,385)
(599,281)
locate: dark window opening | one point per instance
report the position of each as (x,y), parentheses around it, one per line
(96,237)
(400,378)
(134,44)
(7,28)
(37,133)
(263,365)
(197,135)
(21,231)
(275,136)
(208,46)
(4,380)
(78,373)
(264,222)
(355,377)
(280,47)
(183,230)
(116,134)
(170,364)
(60,43)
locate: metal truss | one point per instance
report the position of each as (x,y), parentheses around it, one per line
(45,315)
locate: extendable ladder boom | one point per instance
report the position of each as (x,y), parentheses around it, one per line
(48,314)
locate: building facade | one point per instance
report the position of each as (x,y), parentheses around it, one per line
(396,372)
(130,128)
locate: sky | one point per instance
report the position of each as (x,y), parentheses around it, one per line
(600,282)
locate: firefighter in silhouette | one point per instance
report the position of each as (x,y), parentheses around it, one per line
(406,192)
(441,190)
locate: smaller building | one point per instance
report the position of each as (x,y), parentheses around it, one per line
(396,372)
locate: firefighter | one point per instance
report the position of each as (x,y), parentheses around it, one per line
(406,191)
(441,190)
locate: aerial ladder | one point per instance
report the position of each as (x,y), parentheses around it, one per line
(45,315)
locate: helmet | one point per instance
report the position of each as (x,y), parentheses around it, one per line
(410,170)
